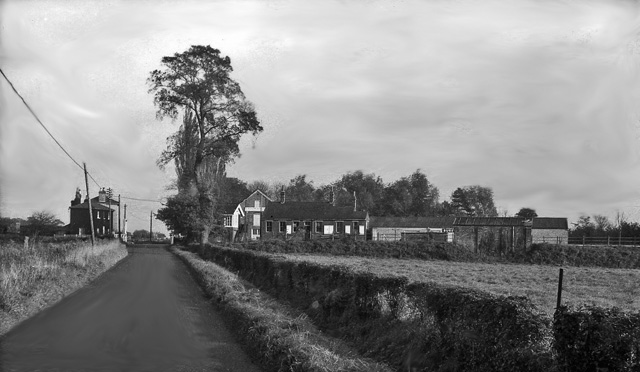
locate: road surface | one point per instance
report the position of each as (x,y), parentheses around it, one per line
(145,314)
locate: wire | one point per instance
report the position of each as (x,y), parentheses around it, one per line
(45,128)
(148,200)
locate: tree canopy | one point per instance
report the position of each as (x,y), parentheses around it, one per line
(216,113)
(527,213)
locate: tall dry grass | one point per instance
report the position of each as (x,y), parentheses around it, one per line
(43,272)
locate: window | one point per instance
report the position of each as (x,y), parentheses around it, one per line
(227,221)
(256,220)
(328,229)
(256,232)
(97,215)
(339,227)
(296,225)
(282,227)
(347,229)
(307,226)
(269,226)
(256,203)
(356,230)
(319,227)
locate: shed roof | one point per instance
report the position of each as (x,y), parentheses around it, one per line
(489,221)
(228,208)
(550,223)
(411,221)
(311,211)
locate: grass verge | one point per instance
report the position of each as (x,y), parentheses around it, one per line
(41,274)
(285,340)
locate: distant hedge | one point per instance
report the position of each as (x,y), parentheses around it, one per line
(538,254)
(420,326)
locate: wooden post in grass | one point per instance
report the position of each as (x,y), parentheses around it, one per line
(86,181)
(559,289)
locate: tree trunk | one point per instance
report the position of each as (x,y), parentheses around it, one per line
(204,237)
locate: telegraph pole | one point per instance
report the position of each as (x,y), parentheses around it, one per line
(109,195)
(119,231)
(125,222)
(151,226)
(86,181)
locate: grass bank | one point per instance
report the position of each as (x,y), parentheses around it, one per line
(284,339)
(35,277)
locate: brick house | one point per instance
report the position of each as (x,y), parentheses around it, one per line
(404,228)
(312,220)
(79,222)
(243,220)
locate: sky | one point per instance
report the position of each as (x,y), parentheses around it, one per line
(537,99)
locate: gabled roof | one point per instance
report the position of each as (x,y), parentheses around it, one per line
(258,191)
(550,223)
(408,222)
(311,211)
(489,221)
(94,206)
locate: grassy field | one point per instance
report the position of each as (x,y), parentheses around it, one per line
(35,277)
(582,285)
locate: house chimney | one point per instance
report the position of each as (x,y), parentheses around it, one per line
(102,196)
(78,199)
(282,196)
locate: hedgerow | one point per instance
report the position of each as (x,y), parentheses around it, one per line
(420,326)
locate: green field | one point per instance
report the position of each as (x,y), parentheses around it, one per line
(582,285)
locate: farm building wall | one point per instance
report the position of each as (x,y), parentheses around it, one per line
(310,233)
(490,239)
(555,236)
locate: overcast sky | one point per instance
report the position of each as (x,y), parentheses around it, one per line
(536,99)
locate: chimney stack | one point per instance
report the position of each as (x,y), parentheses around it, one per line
(102,196)
(282,195)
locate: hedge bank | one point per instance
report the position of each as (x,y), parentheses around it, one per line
(419,326)
(538,254)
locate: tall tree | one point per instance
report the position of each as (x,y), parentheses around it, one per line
(527,213)
(42,223)
(197,82)
(368,189)
(475,201)
(299,189)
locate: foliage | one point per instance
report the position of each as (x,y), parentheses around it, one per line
(410,196)
(216,115)
(425,326)
(474,201)
(280,337)
(591,339)
(140,235)
(299,189)
(41,223)
(527,213)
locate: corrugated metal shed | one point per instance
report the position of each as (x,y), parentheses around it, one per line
(489,221)
(411,222)
(550,223)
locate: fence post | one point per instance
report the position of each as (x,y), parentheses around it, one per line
(559,301)
(608,240)
(582,241)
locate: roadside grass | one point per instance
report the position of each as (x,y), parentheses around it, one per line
(284,339)
(35,277)
(581,285)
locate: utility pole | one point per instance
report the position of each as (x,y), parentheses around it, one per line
(119,231)
(86,181)
(109,195)
(151,226)
(125,222)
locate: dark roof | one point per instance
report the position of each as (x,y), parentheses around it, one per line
(488,221)
(228,208)
(94,205)
(550,223)
(311,211)
(411,221)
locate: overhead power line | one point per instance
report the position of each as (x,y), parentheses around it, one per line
(139,199)
(45,128)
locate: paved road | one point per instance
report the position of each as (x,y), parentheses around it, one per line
(145,314)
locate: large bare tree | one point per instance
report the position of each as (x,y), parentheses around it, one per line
(216,113)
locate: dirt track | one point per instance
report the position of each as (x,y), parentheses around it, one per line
(145,314)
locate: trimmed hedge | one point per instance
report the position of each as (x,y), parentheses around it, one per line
(538,254)
(414,327)
(591,339)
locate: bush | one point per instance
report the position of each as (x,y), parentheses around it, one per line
(594,339)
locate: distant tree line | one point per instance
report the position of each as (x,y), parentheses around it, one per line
(599,225)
